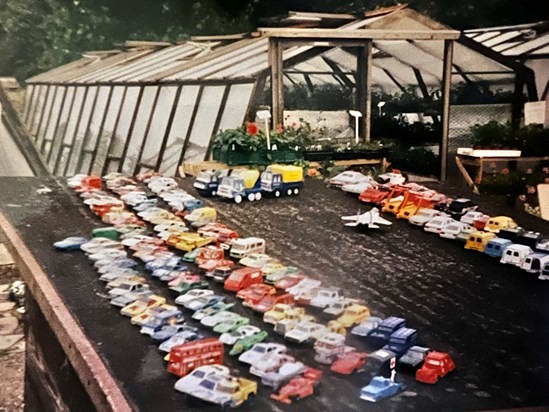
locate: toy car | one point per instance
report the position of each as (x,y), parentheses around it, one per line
(458,207)
(141,305)
(358,188)
(306,332)
(299,387)
(380,388)
(437,224)
(496,246)
(480,223)
(534,262)
(329,347)
(495,224)
(366,326)
(326,296)
(230,324)
(129,297)
(469,217)
(156,322)
(270,363)
(220,317)
(515,254)
(478,240)
(243,278)
(452,230)
(185,286)
(424,215)
(288,281)
(244,344)
(338,307)
(303,286)
(229,338)
(386,328)
(414,357)
(436,365)
(203,302)
(70,243)
(259,350)
(256,260)
(178,339)
(375,195)
(167,331)
(348,178)
(354,314)
(220,273)
(276,377)
(192,295)
(191,256)
(268,302)
(391,178)
(401,340)
(282,311)
(255,292)
(196,376)
(129,286)
(271,278)
(228,392)
(349,363)
(212,310)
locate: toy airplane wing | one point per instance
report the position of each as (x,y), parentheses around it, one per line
(371,218)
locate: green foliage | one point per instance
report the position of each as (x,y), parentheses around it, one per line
(239,140)
(416,160)
(508,182)
(532,140)
(321,97)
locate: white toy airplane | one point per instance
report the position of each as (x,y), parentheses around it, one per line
(371,218)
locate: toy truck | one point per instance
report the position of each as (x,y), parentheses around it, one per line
(247,184)
(189,356)
(330,347)
(279,179)
(207,182)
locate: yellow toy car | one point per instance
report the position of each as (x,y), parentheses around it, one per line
(190,241)
(354,314)
(282,311)
(496,223)
(145,316)
(477,240)
(141,305)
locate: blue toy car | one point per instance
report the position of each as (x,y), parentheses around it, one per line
(380,388)
(70,243)
(167,331)
(366,327)
(193,204)
(167,317)
(496,246)
(164,263)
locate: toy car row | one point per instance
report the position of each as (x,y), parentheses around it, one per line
(240,184)
(188,350)
(455,219)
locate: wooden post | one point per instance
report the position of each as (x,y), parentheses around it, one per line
(364,87)
(446,86)
(277,80)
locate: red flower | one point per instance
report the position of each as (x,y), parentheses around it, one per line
(252,129)
(505,171)
(478,180)
(279,128)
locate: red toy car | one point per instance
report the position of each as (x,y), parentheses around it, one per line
(349,363)
(242,278)
(299,387)
(209,253)
(213,264)
(221,233)
(288,281)
(479,224)
(436,365)
(256,292)
(268,302)
(89,183)
(375,196)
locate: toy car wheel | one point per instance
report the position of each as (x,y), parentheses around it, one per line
(251,197)
(238,199)
(258,196)
(277,193)
(296,191)
(289,192)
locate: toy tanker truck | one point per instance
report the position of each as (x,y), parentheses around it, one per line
(279,179)
(245,184)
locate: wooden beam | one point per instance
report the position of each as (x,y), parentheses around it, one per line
(361,34)
(364,88)
(277,80)
(446,86)
(338,72)
(465,175)
(221,37)
(394,80)
(326,16)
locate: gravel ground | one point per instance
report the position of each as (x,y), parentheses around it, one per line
(12,365)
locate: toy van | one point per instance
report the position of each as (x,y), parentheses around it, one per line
(495,224)
(401,340)
(535,262)
(246,246)
(189,356)
(515,254)
(477,240)
(242,278)
(496,246)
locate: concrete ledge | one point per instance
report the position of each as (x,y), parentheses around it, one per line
(102,389)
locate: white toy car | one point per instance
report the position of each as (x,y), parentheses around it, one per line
(283,374)
(200,373)
(326,296)
(257,260)
(452,230)
(391,178)
(259,350)
(213,320)
(230,338)
(107,254)
(306,332)
(338,307)
(303,286)
(515,254)
(100,243)
(126,287)
(270,363)
(436,224)
(192,295)
(470,217)
(424,215)
(349,178)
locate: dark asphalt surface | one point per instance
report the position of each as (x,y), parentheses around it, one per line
(490,317)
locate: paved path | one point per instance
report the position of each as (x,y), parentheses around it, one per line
(12,161)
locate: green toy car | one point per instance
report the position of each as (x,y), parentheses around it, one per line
(231,324)
(212,310)
(191,256)
(186,286)
(271,278)
(244,344)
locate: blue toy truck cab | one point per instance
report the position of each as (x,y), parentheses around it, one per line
(193,204)
(402,340)
(386,328)
(206,182)
(244,185)
(496,246)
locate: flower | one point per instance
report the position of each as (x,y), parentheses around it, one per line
(546,180)
(279,128)
(312,172)
(529,171)
(505,171)
(522,197)
(545,170)
(252,129)
(478,180)
(492,165)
